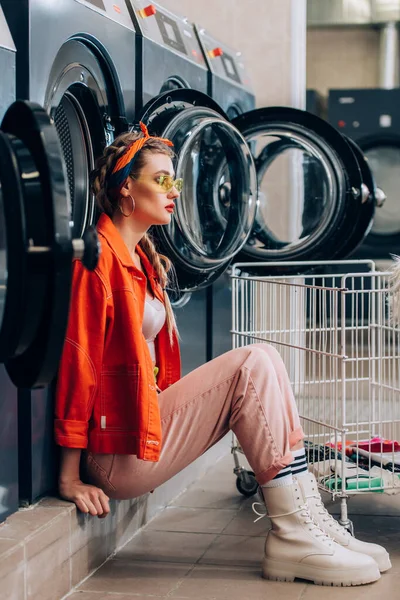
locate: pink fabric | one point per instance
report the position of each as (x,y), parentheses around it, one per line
(246,390)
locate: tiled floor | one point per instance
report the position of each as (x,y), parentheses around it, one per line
(205,546)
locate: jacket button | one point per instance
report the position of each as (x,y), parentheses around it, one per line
(151,387)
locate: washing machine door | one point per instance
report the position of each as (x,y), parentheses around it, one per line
(372,197)
(310,187)
(216,209)
(383,156)
(86,105)
(36,246)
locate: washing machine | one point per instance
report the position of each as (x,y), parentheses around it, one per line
(228,79)
(77,58)
(170,58)
(203,236)
(36,256)
(36,253)
(230,86)
(371,117)
(169,55)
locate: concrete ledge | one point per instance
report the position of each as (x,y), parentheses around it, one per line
(49,548)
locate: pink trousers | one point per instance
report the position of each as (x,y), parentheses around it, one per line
(246,390)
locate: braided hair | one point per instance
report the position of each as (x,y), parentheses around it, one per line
(107,202)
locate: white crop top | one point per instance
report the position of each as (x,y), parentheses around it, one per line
(153,321)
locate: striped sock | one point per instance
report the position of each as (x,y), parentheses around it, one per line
(283,478)
(299,465)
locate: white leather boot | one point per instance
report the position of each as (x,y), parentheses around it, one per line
(297,547)
(327,523)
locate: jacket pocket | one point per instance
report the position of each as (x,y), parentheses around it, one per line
(119,397)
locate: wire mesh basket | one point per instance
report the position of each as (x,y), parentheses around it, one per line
(330,323)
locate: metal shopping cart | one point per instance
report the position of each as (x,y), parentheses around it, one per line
(330,322)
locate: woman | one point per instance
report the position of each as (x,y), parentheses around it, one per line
(121,402)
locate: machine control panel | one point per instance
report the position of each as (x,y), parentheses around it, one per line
(362,112)
(116,10)
(167,29)
(224,61)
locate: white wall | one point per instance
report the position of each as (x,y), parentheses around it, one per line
(269,33)
(342,58)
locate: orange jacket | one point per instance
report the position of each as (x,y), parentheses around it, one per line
(106,398)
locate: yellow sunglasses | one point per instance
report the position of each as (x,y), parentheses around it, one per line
(166,182)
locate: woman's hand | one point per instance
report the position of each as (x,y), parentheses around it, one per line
(88,498)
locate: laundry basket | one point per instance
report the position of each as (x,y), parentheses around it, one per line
(330,322)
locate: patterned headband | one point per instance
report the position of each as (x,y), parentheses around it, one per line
(125,162)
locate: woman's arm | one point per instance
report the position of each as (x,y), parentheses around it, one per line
(88,498)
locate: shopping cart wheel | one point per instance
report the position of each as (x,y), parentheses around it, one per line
(246,483)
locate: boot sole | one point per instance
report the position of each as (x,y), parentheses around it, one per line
(278,571)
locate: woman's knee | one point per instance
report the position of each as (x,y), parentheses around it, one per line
(271,351)
(259,355)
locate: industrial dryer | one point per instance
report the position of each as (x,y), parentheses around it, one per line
(371,118)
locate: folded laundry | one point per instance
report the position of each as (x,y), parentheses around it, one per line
(358,483)
(320,452)
(377,444)
(387,460)
(336,468)
(332,473)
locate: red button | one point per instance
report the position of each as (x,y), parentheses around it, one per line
(216,52)
(148,11)
(342,123)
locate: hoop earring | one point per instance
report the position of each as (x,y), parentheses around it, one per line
(133,207)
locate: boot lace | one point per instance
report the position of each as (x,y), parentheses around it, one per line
(304,512)
(326,516)
(313,525)
(261,515)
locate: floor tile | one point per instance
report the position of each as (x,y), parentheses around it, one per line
(235,550)
(164,546)
(201,520)
(368,504)
(129,577)
(381,530)
(205,496)
(216,489)
(243,523)
(222,583)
